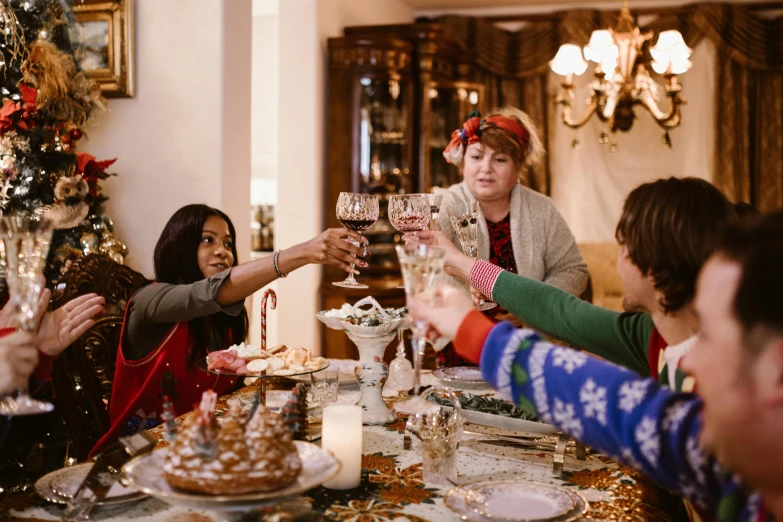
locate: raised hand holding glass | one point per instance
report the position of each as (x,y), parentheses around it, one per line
(26,241)
(356,212)
(466,229)
(409,213)
(422,268)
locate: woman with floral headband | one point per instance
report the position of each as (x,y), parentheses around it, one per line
(519,229)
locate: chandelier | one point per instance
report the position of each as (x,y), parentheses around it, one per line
(622,79)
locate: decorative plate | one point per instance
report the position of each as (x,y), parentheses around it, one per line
(202,365)
(506,501)
(457,500)
(145,474)
(461,376)
(60,485)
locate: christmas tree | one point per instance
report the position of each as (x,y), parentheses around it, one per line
(47,100)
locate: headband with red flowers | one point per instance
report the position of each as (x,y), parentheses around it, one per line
(472,128)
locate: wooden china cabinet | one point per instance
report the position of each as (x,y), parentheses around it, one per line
(394,95)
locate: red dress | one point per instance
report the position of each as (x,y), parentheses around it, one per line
(139,386)
(501,253)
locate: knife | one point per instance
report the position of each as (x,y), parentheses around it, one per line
(104,474)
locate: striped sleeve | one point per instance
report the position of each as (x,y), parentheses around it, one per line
(483,276)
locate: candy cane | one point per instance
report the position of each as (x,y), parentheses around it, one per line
(267,293)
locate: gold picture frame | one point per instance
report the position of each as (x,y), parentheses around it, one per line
(104,46)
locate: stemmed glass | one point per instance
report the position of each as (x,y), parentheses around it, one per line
(356,212)
(409,213)
(434,199)
(422,268)
(466,227)
(26,240)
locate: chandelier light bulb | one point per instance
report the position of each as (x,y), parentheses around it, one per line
(568,60)
(670,44)
(660,67)
(601,47)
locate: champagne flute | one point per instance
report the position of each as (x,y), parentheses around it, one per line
(422,268)
(26,241)
(356,212)
(409,213)
(435,199)
(466,227)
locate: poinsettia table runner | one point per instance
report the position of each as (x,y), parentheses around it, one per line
(392,487)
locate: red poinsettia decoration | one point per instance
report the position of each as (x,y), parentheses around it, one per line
(19,114)
(92,170)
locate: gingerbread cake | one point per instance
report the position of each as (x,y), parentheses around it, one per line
(234,455)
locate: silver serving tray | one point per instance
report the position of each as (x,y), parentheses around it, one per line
(507,423)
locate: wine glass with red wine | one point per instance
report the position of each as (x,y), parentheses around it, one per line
(356,212)
(409,213)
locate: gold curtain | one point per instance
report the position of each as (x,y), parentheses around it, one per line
(514,66)
(749,98)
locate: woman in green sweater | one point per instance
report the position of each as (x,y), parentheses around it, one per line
(667,231)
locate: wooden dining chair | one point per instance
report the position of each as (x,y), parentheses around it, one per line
(83,374)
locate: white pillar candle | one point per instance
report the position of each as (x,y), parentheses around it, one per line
(342,435)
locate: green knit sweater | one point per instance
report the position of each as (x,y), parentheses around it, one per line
(622,338)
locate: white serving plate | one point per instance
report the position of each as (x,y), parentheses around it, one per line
(460,502)
(145,474)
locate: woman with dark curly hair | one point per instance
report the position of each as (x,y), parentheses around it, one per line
(195,306)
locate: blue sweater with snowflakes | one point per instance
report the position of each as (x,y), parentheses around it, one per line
(617,412)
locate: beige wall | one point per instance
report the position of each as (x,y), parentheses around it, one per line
(304,26)
(185,137)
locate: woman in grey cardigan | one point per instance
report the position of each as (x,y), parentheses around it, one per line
(520,230)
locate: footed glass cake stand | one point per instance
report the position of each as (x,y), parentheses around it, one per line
(371,372)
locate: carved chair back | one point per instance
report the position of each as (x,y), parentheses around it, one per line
(84,373)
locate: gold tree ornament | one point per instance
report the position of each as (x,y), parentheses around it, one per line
(113,247)
(13,37)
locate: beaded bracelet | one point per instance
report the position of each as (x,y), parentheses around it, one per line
(277,268)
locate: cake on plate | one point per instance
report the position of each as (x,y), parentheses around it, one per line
(236,454)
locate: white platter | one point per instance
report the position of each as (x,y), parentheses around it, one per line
(145,474)
(511,501)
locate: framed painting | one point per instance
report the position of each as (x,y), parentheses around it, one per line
(104,44)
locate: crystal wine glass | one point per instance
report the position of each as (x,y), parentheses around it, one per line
(409,213)
(356,212)
(466,227)
(26,240)
(422,268)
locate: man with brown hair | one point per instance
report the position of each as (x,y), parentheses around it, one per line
(667,231)
(720,447)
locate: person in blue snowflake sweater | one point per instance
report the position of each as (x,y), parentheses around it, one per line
(720,447)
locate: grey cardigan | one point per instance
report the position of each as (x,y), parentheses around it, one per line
(544,247)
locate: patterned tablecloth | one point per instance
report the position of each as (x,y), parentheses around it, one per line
(392,487)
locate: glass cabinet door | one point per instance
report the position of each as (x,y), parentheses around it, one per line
(450,104)
(384,156)
(384,136)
